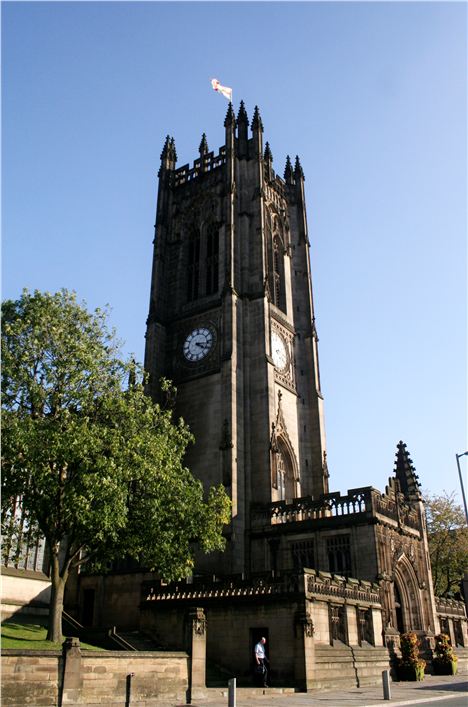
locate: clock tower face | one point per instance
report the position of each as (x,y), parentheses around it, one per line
(198,344)
(278,351)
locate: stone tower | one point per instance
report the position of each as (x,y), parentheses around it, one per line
(231,322)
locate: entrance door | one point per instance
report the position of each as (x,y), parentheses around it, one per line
(255,635)
(398,609)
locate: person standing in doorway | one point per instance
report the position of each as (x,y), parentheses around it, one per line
(261,661)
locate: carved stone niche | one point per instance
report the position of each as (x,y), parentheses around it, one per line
(198,620)
(337,621)
(304,624)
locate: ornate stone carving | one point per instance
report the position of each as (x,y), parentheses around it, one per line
(304,621)
(198,619)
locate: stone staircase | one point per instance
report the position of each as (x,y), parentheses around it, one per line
(345,666)
(139,641)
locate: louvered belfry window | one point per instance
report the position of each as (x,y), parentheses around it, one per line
(212,259)
(193,270)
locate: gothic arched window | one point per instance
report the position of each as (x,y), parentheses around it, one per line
(193,269)
(279,291)
(284,476)
(212,257)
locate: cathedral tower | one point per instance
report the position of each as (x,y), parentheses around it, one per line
(231,322)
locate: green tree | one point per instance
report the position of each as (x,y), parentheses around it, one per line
(448,543)
(98,469)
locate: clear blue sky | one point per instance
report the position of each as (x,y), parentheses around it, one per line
(372,97)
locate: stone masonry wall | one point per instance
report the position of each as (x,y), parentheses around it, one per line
(110,678)
(31,678)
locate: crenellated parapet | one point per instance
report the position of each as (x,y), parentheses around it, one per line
(223,587)
(207,162)
(450,607)
(243,146)
(333,586)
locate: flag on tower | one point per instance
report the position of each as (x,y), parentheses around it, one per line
(227,92)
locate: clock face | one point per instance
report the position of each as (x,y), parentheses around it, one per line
(278,351)
(198,344)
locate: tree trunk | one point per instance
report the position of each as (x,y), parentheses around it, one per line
(54,632)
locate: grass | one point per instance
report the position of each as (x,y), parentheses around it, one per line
(30,633)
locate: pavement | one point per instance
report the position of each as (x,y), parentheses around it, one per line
(440,690)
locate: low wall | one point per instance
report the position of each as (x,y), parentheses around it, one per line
(31,677)
(46,678)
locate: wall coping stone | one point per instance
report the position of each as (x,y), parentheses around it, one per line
(86,653)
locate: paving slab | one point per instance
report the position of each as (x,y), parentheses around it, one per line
(433,689)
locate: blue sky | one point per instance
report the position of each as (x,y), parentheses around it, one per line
(372,96)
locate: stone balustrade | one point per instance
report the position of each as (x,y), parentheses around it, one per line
(357,501)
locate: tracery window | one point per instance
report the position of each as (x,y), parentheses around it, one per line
(284,476)
(193,270)
(339,554)
(303,554)
(281,476)
(202,261)
(279,292)
(212,258)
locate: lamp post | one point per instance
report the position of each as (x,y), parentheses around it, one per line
(461,482)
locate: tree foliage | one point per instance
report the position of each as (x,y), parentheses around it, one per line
(99,469)
(448,543)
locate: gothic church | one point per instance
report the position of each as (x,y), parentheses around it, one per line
(330,580)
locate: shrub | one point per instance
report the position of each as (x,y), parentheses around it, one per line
(410,660)
(443,651)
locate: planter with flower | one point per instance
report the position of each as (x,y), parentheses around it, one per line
(410,665)
(444,660)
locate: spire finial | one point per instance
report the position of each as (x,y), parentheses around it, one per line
(242,114)
(173,150)
(298,171)
(230,116)
(256,120)
(165,149)
(267,156)
(288,171)
(405,472)
(203,148)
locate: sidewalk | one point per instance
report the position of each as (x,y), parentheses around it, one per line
(432,689)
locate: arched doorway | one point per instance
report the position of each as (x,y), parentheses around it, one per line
(398,610)
(407,599)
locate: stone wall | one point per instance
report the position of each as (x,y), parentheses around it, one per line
(24,591)
(31,678)
(45,678)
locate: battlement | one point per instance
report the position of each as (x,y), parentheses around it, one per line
(232,586)
(205,163)
(314,583)
(450,607)
(240,145)
(319,584)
